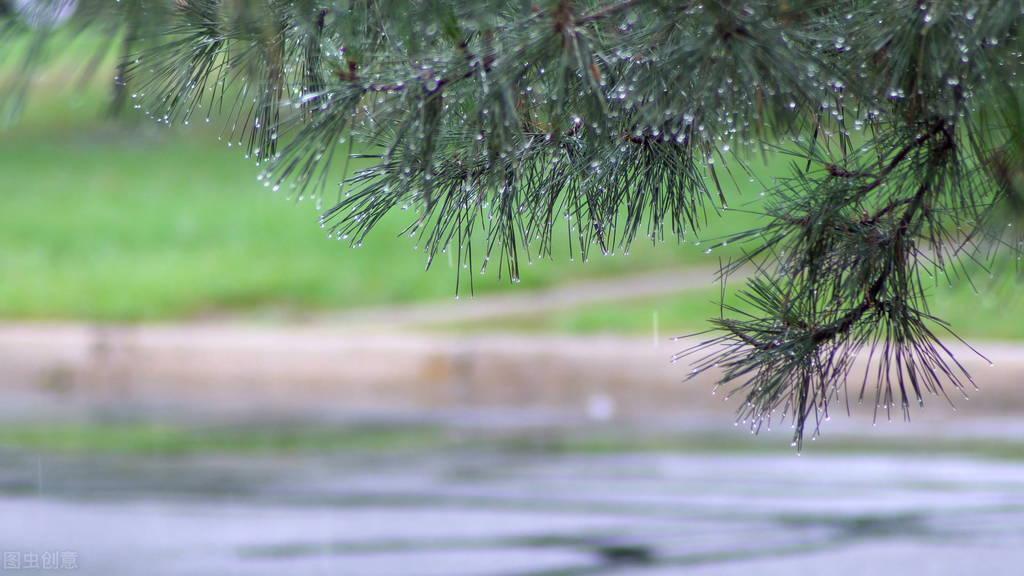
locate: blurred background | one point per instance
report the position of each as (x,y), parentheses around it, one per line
(195,380)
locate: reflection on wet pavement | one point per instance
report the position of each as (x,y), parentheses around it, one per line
(458,513)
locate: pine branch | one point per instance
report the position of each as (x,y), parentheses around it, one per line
(494,124)
(608,11)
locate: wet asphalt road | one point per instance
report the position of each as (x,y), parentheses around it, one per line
(478,513)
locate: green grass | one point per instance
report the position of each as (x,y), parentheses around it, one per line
(108,222)
(113,223)
(991,313)
(133,222)
(621,441)
(173,440)
(141,439)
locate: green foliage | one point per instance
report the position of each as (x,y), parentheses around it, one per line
(495,123)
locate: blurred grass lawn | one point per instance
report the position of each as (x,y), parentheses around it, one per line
(178,440)
(134,222)
(996,312)
(149,439)
(109,223)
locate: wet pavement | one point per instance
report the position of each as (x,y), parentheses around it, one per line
(463,513)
